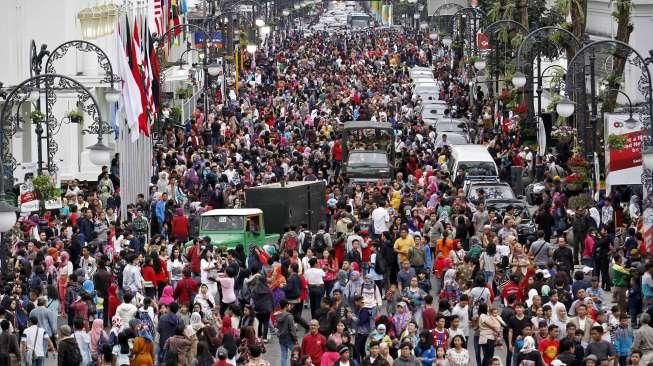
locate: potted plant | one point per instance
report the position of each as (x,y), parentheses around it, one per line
(45,189)
(573,182)
(564,134)
(75,116)
(617,142)
(580,202)
(36,116)
(577,164)
(184,93)
(175,114)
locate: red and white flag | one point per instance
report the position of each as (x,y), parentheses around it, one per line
(155,17)
(129,102)
(136,59)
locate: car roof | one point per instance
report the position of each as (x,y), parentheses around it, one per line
(471,152)
(233,212)
(351,125)
(451,136)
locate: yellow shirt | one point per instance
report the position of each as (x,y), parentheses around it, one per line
(403,246)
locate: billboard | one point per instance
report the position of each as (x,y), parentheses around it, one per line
(199,39)
(623,164)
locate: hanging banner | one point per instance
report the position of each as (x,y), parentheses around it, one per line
(623,157)
(27,199)
(482,41)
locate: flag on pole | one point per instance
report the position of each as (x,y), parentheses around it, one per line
(155,13)
(130,108)
(138,76)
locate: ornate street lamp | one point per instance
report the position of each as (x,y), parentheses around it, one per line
(565,107)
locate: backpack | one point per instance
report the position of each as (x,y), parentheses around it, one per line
(74,357)
(291,242)
(380,264)
(473,310)
(505,262)
(319,244)
(475,252)
(308,238)
(103,345)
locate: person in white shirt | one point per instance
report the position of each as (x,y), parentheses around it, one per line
(555,306)
(83,341)
(132,279)
(126,311)
(381,219)
(461,309)
(33,343)
(315,278)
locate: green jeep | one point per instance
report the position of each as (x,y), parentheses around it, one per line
(229,227)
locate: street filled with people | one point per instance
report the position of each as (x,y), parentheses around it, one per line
(429,258)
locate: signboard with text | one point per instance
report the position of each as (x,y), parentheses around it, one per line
(623,165)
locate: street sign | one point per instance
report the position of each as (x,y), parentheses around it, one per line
(482,41)
(246,8)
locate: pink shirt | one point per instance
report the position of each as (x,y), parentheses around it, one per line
(227,284)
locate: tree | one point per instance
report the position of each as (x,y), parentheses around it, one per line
(624,28)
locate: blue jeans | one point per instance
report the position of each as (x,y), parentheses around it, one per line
(489,277)
(285,353)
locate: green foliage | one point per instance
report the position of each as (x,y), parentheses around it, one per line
(517,40)
(75,116)
(44,188)
(555,99)
(175,114)
(580,202)
(36,116)
(184,93)
(494,11)
(617,142)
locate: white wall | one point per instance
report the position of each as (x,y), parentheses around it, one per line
(53,22)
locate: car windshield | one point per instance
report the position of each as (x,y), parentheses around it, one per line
(454,139)
(222,223)
(492,192)
(369,139)
(368,159)
(478,168)
(520,210)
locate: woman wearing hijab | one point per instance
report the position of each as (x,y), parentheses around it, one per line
(450,289)
(528,352)
(425,350)
(65,265)
(191,332)
(402,317)
(167,297)
(275,281)
(378,335)
(98,338)
(50,269)
(143,350)
(353,287)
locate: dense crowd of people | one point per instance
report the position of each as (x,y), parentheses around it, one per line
(405,273)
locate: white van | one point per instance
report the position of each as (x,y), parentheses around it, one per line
(474,159)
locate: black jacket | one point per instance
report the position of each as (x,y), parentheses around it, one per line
(293,287)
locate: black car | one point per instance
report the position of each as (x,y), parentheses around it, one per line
(526,228)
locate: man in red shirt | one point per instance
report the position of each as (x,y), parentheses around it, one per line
(429,315)
(550,345)
(512,288)
(185,289)
(314,343)
(193,256)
